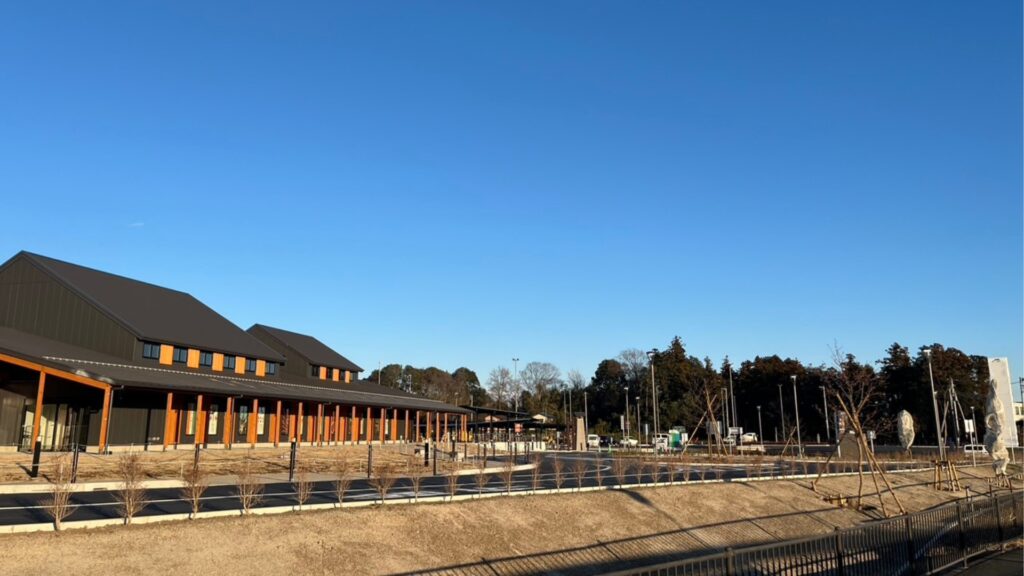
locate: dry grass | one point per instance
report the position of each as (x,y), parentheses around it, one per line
(363,540)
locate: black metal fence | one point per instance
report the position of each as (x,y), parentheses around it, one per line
(922,543)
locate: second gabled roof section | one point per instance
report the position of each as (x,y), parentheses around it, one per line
(311,349)
(153,312)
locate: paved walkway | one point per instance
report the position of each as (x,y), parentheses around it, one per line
(1006,564)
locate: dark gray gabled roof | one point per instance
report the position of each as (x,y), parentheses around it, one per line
(311,349)
(153,312)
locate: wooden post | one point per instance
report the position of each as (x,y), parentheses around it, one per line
(354,426)
(200,431)
(277,425)
(394,425)
(406,436)
(383,422)
(299,424)
(104,419)
(168,419)
(229,430)
(417,426)
(37,417)
(369,426)
(445,425)
(253,419)
(337,423)
(437,426)
(320,424)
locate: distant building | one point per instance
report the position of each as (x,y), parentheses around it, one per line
(93,359)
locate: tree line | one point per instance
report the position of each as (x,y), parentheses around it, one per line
(684,383)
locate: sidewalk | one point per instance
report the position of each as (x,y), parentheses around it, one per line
(1009,563)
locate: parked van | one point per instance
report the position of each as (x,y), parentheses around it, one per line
(974,449)
(662,442)
(593,441)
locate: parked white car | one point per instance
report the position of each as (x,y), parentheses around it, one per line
(748,438)
(629,441)
(661,442)
(593,441)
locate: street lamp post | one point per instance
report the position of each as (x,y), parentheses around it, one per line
(935,406)
(515,383)
(796,406)
(725,414)
(782,414)
(654,391)
(625,419)
(760,431)
(824,402)
(974,439)
(638,422)
(732,396)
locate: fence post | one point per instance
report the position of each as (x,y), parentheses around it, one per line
(840,560)
(369,461)
(908,521)
(37,448)
(291,460)
(74,463)
(730,561)
(960,527)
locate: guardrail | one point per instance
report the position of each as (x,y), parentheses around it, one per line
(921,543)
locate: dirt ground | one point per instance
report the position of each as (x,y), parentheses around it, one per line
(407,538)
(14,466)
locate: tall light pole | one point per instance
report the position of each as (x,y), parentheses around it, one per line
(935,405)
(515,383)
(725,414)
(654,391)
(782,414)
(760,432)
(625,419)
(796,406)
(732,395)
(824,402)
(638,421)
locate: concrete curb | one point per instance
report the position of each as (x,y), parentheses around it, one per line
(88,524)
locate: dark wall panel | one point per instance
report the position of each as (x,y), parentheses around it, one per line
(12,409)
(32,301)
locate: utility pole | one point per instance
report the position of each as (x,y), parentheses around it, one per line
(732,395)
(654,391)
(515,383)
(586,413)
(626,417)
(782,414)
(824,402)
(760,431)
(796,406)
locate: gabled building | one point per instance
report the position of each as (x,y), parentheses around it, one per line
(94,359)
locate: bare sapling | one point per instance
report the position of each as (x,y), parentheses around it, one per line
(342,477)
(579,471)
(415,472)
(672,469)
(619,468)
(453,483)
(131,494)
(508,468)
(302,484)
(248,487)
(598,472)
(58,505)
(558,472)
(638,471)
(654,471)
(194,484)
(382,479)
(535,472)
(482,477)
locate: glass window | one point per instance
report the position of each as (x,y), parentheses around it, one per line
(271,368)
(206,359)
(314,370)
(250,365)
(151,350)
(180,355)
(229,362)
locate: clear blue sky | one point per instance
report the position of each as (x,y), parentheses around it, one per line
(445,183)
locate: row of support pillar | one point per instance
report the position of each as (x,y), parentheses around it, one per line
(324,425)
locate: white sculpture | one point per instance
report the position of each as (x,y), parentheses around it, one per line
(905,428)
(995,420)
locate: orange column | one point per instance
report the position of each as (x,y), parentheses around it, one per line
(168,419)
(445,429)
(104,419)
(200,434)
(383,423)
(320,424)
(406,436)
(253,418)
(417,438)
(229,430)
(437,426)
(337,423)
(277,425)
(369,426)
(37,417)
(299,425)
(353,433)
(394,425)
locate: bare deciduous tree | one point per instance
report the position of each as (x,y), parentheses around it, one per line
(131,495)
(415,472)
(597,470)
(302,484)
(508,468)
(579,471)
(343,480)
(481,477)
(557,469)
(620,467)
(58,505)
(535,472)
(383,479)
(453,483)
(248,487)
(194,485)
